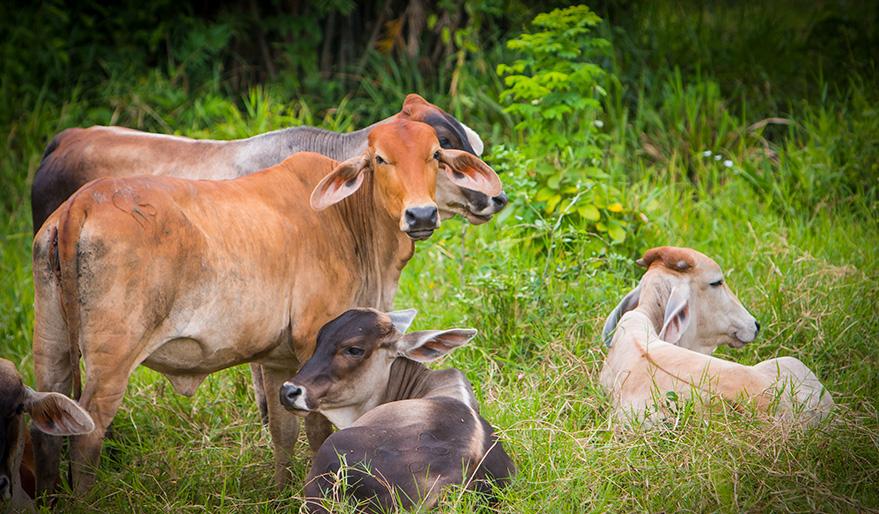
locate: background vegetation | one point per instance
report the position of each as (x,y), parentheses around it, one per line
(749,131)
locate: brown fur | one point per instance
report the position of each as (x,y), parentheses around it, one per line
(190,277)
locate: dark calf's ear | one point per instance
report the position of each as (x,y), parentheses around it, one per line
(430,345)
(629,302)
(677,315)
(56,414)
(402,319)
(341,183)
(466,170)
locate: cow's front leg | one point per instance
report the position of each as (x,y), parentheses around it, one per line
(283,424)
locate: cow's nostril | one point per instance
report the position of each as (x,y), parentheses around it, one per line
(757,324)
(4,483)
(500,201)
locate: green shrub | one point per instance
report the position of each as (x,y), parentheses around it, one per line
(553,89)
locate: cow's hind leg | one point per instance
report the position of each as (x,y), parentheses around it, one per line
(53,365)
(101,397)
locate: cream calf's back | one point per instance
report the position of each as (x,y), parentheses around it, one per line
(796,389)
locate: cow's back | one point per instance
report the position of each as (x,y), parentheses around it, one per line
(418,446)
(77,156)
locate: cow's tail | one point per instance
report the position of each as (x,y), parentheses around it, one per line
(70,224)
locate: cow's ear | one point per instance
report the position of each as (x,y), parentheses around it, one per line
(430,345)
(677,315)
(56,414)
(629,302)
(341,183)
(402,319)
(468,171)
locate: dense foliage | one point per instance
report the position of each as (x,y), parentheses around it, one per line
(747,130)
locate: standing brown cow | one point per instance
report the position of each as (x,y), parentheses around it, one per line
(191,277)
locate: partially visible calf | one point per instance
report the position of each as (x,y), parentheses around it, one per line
(682,298)
(51,413)
(406,431)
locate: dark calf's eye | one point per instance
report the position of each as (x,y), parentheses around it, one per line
(20,408)
(445,143)
(717,283)
(354,351)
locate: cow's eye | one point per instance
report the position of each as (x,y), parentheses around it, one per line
(436,155)
(379,160)
(354,351)
(444,142)
(717,283)
(19,409)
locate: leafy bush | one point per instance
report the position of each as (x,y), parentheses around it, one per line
(554,90)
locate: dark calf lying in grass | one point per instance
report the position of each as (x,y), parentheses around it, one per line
(51,413)
(406,431)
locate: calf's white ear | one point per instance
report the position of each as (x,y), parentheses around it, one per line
(341,183)
(430,345)
(468,171)
(629,302)
(677,315)
(56,414)
(402,319)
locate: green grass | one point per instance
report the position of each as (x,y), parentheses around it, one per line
(794,222)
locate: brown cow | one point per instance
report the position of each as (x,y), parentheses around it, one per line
(190,277)
(406,431)
(51,413)
(77,156)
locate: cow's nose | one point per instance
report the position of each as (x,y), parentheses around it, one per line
(4,484)
(422,218)
(289,394)
(757,324)
(500,201)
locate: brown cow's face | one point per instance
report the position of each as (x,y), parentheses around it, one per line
(476,207)
(404,159)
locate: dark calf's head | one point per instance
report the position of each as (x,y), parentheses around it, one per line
(52,413)
(351,366)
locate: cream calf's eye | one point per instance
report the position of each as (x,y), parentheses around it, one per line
(717,283)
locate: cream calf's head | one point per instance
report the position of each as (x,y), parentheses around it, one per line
(350,370)
(685,294)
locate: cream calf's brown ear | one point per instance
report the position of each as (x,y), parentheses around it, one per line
(468,171)
(341,183)
(677,315)
(56,414)
(629,302)
(430,345)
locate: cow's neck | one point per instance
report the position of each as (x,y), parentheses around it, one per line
(381,249)
(652,301)
(410,380)
(272,148)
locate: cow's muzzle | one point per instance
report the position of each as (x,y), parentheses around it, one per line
(293,398)
(420,222)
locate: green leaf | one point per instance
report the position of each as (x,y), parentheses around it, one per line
(589,212)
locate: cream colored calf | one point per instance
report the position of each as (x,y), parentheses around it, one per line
(681,301)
